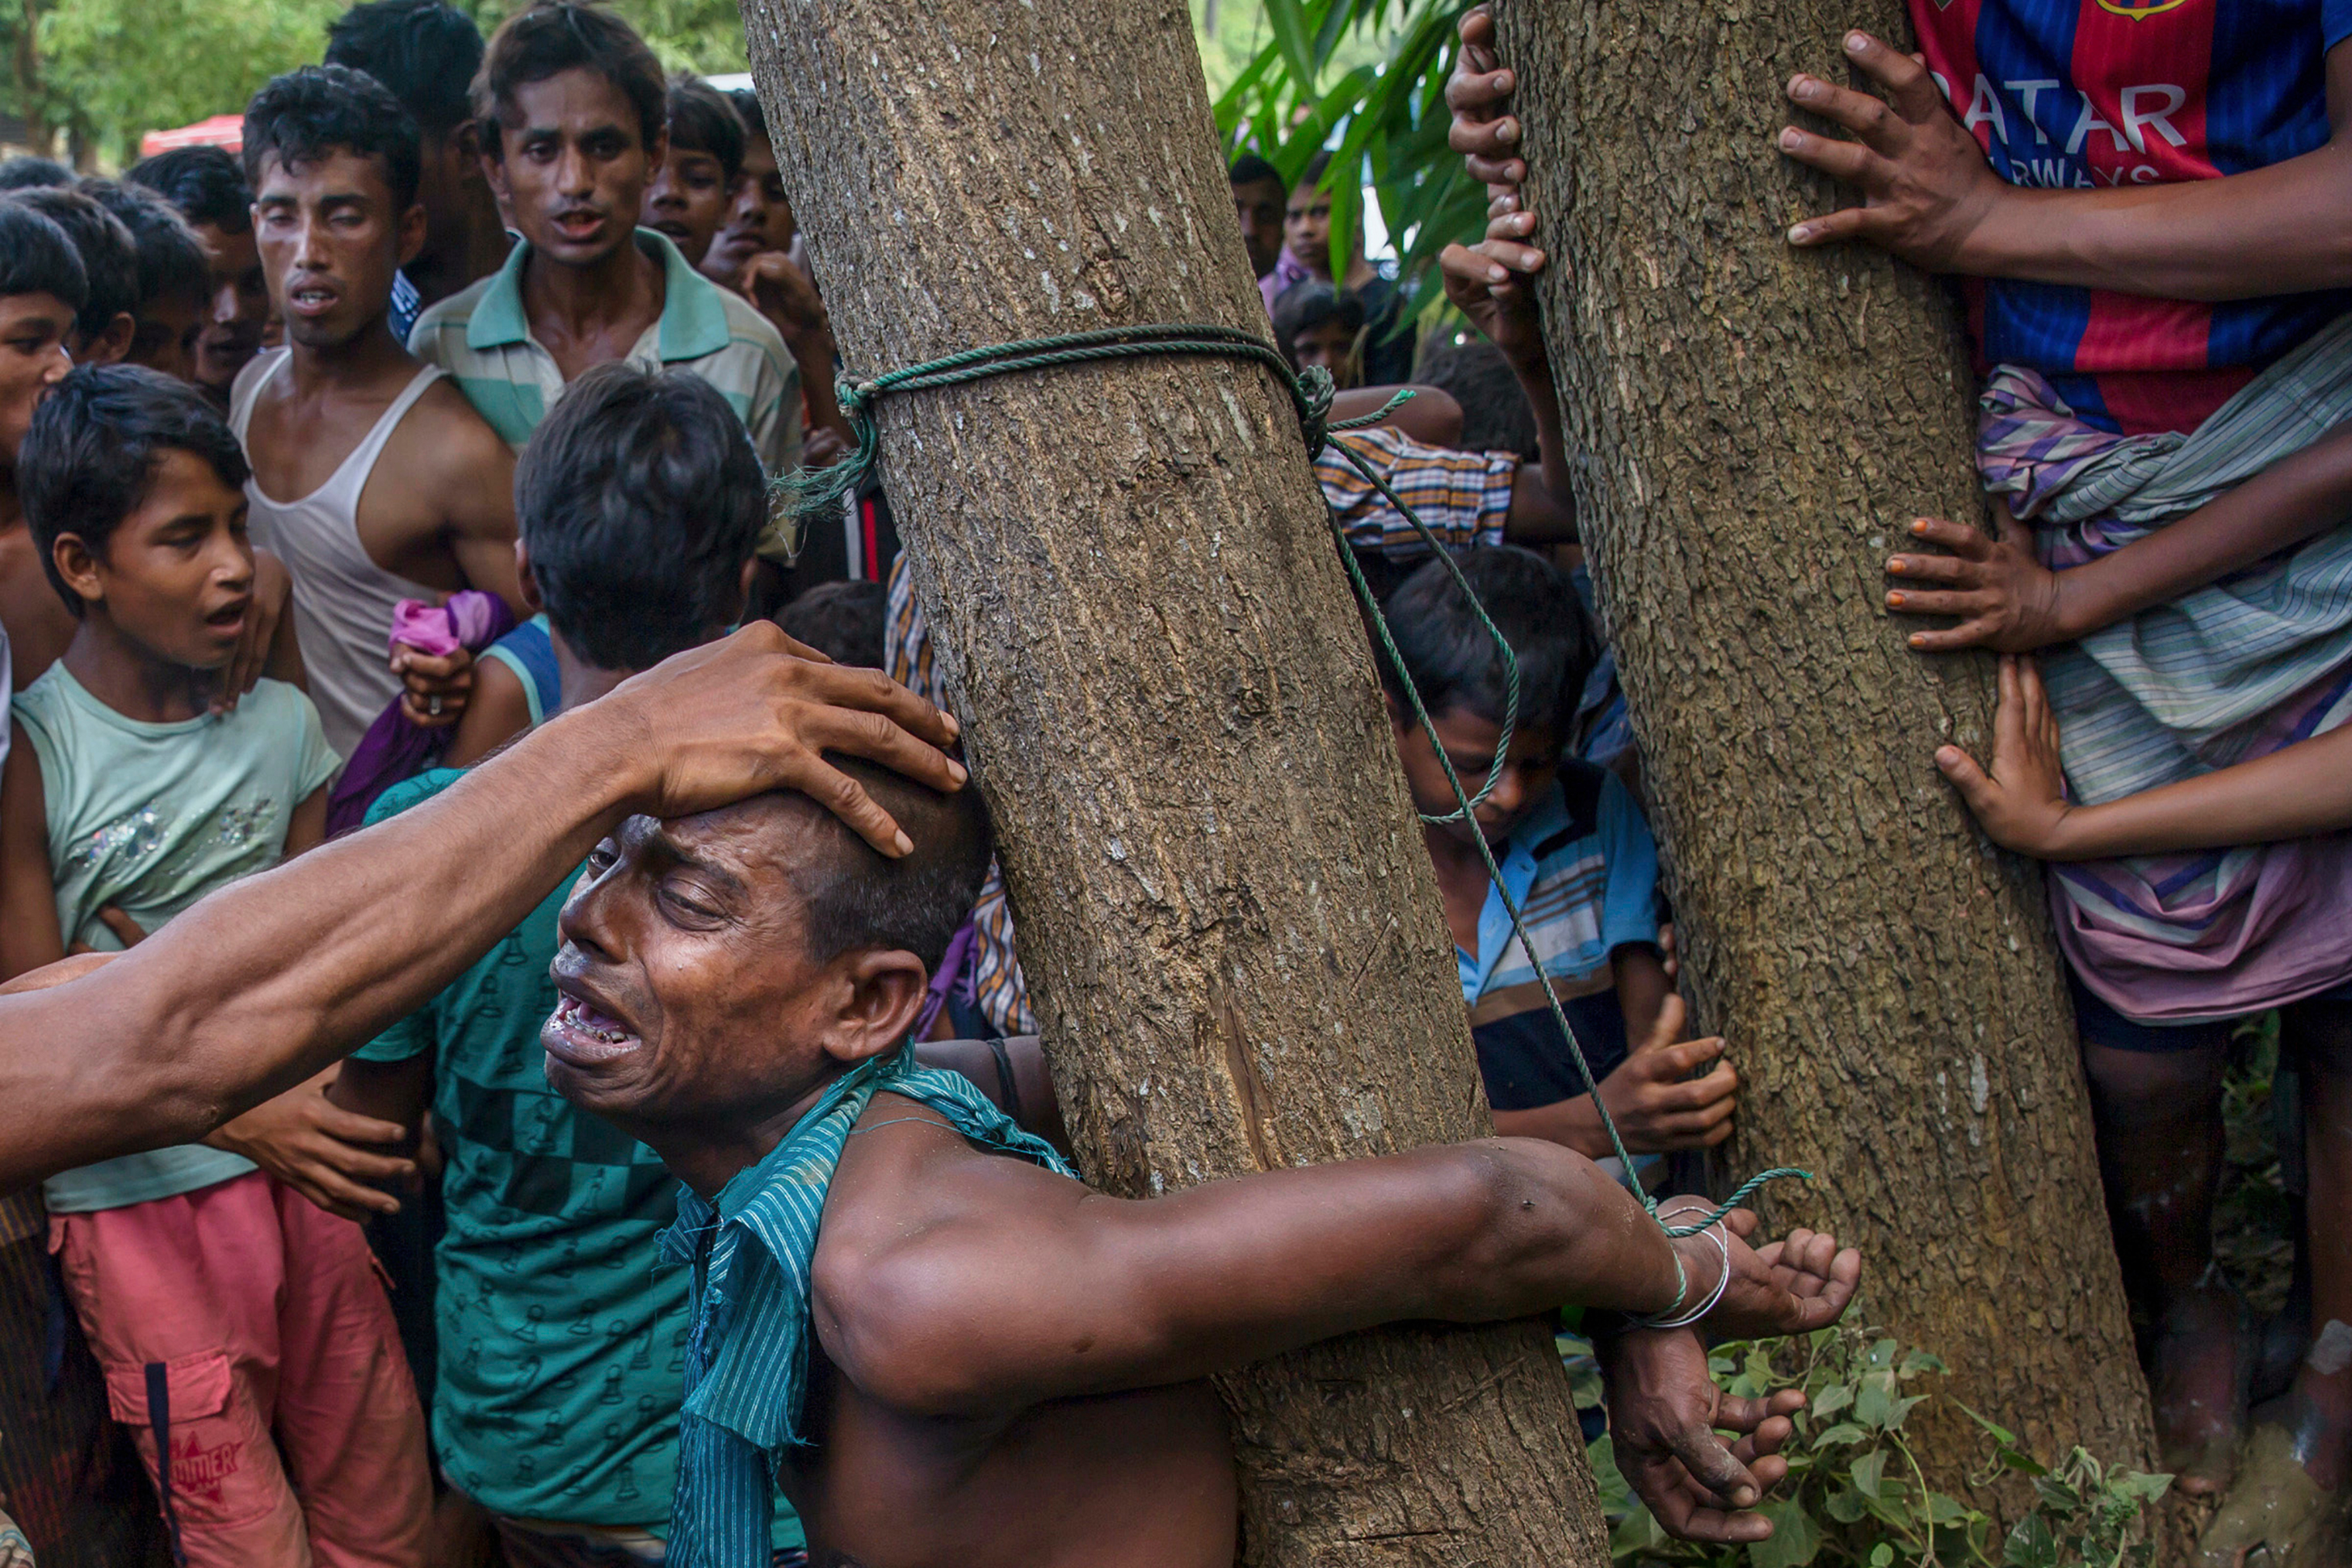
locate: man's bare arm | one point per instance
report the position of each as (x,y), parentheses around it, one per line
(30,933)
(2007,601)
(478,491)
(951,1283)
(1930,197)
(1430,416)
(271,979)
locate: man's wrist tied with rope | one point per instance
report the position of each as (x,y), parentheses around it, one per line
(1671,1315)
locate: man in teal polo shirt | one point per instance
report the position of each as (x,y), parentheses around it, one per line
(576,113)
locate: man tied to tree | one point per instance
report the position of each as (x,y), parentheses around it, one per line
(979,1361)
(2142,244)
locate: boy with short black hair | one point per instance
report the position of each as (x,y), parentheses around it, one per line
(26,172)
(558,1397)
(688,199)
(43,288)
(69,1475)
(843,620)
(1317,325)
(174,279)
(104,325)
(225,1308)
(1575,856)
(208,189)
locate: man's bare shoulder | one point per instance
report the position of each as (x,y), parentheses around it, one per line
(905,1166)
(444,442)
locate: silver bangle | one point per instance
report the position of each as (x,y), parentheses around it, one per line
(1664,1320)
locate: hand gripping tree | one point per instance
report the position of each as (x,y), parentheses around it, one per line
(1759,423)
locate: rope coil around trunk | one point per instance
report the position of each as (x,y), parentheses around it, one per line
(1311,392)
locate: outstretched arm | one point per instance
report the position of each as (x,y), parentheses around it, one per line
(2008,601)
(1502,305)
(2021,800)
(269,980)
(955,1283)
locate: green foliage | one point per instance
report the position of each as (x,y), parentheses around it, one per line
(1855,1496)
(116,69)
(1370,73)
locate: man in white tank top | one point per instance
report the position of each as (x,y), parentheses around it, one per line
(373,478)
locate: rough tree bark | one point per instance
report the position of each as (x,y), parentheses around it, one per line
(1227,919)
(1760,426)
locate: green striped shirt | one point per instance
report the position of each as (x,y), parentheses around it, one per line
(482,337)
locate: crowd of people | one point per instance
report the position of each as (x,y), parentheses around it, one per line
(341,479)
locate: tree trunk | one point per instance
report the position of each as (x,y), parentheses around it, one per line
(1760,426)
(1228,922)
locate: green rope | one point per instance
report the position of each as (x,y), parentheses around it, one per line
(1311,393)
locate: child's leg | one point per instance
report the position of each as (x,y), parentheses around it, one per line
(2156,1097)
(190,1283)
(348,1419)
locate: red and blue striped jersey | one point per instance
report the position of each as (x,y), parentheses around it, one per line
(2083,94)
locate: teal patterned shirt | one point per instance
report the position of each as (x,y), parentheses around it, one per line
(747,1350)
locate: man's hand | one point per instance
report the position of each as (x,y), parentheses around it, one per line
(1791,1286)
(2007,600)
(1478,93)
(1664,1414)
(271,588)
(789,300)
(756,712)
(127,931)
(1924,184)
(1655,1102)
(823,447)
(322,1150)
(2021,804)
(433,691)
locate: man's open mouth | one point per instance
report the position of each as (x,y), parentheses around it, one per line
(579,1034)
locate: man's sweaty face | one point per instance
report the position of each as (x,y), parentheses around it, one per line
(574,166)
(329,234)
(684,985)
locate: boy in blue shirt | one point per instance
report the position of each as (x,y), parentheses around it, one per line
(228,1313)
(1574,853)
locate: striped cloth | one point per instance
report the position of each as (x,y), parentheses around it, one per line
(747,1350)
(482,337)
(2229,672)
(997,988)
(1463,497)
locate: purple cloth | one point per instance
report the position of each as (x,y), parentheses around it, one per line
(2229,672)
(394,748)
(943,981)
(1287,270)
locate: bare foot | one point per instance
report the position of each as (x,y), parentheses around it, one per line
(2276,1515)
(2199,1386)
